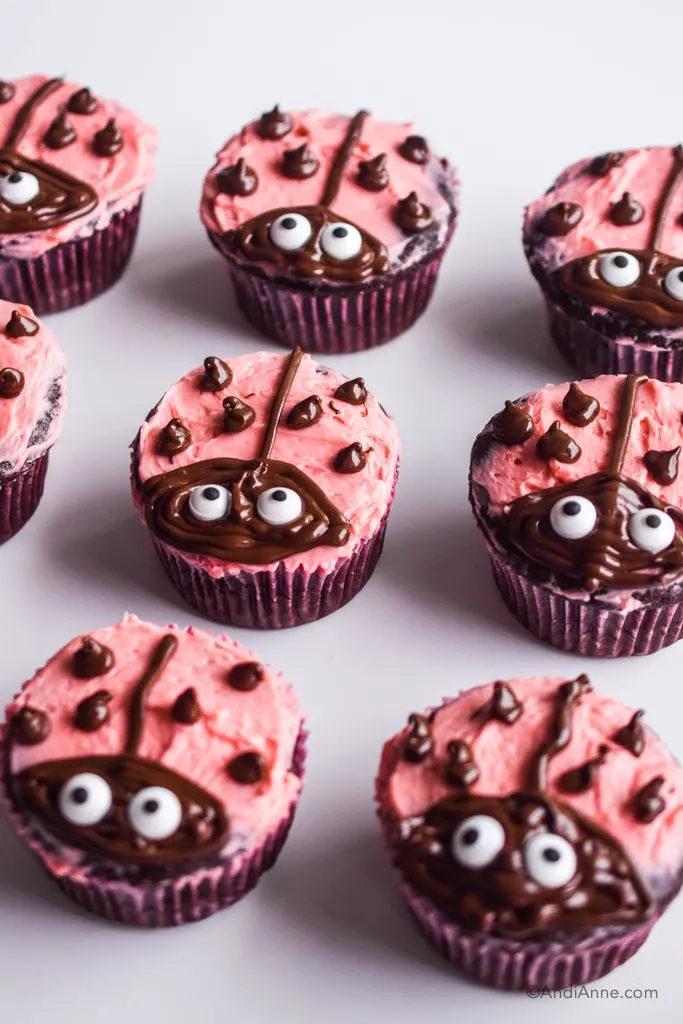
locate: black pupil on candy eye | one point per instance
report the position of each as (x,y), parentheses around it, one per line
(279,496)
(288,223)
(15,177)
(653,521)
(340,232)
(150,806)
(571,508)
(551,855)
(470,836)
(621,262)
(211,493)
(680,275)
(79,795)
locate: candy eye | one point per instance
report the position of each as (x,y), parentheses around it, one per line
(619,269)
(210,503)
(279,505)
(573,517)
(19,187)
(477,841)
(673,283)
(85,799)
(341,241)
(550,860)
(155,813)
(651,530)
(290,231)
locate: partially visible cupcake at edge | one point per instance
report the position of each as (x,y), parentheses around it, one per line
(578,492)
(266,484)
(73,171)
(334,226)
(605,243)
(536,828)
(154,771)
(32,405)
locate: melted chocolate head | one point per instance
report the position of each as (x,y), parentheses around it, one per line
(56,197)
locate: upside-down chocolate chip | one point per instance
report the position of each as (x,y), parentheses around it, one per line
(579,408)
(29,726)
(557,444)
(415,149)
(108,141)
(82,102)
(20,326)
(7,91)
(237,415)
(350,459)
(93,712)
(186,709)
(275,124)
(352,391)
(632,735)
(662,466)
(503,705)
(648,804)
(419,742)
(561,219)
(305,413)
(246,675)
(247,769)
(412,215)
(460,767)
(174,438)
(217,374)
(626,211)
(61,132)
(512,425)
(602,165)
(300,162)
(91,659)
(373,174)
(237,180)
(11,382)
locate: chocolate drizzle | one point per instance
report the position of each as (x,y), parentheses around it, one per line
(275,124)
(662,466)
(217,374)
(93,712)
(578,780)
(186,709)
(238,179)
(247,769)
(632,735)
(237,415)
(419,743)
(11,382)
(353,392)
(626,211)
(174,438)
(245,676)
(300,162)
(21,326)
(460,769)
(600,166)
(373,174)
(412,215)
(25,113)
(82,102)
(569,695)
(557,444)
(415,149)
(305,413)
(92,659)
(334,176)
(61,132)
(648,804)
(29,726)
(108,141)
(560,219)
(512,425)
(351,459)
(579,408)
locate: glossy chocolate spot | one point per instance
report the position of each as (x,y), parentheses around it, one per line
(561,219)
(418,744)
(174,438)
(82,102)
(626,211)
(632,735)
(186,709)
(460,768)
(237,180)
(20,326)
(237,415)
(7,91)
(246,676)
(299,163)
(305,413)
(556,444)
(275,124)
(217,374)
(662,466)
(29,726)
(247,769)
(91,659)
(411,215)
(648,804)
(352,391)
(579,408)
(93,712)
(578,780)
(503,706)
(373,174)
(415,149)
(350,459)
(11,382)
(61,132)
(512,425)
(602,165)
(109,140)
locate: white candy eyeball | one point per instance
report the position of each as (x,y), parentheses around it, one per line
(19,187)
(573,517)
(550,860)
(155,813)
(210,502)
(341,241)
(477,841)
(619,269)
(290,231)
(85,799)
(651,530)
(673,283)
(279,505)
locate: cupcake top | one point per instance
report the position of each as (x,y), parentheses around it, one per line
(32,388)
(145,744)
(270,458)
(535,805)
(326,197)
(69,161)
(584,480)
(609,235)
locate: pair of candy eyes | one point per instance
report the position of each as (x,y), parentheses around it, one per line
(153,813)
(549,860)
(622,269)
(19,188)
(277,506)
(291,231)
(650,529)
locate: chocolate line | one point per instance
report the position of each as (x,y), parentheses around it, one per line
(161,655)
(628,401)
(340,161)
(278,403)
(666,197)
(23,116)
(568,695)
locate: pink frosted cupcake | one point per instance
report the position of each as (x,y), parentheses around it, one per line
(32,403)
(536,828)
(334,227)
(577,491)
(606,246)
(154,771)
(266,485)
(73,169)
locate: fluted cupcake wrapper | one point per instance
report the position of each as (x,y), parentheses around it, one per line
(74,272)
(593,353)
(20,496)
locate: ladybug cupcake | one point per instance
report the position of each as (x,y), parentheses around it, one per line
(266,484)
(32,404)
(536,828)
(606,246)
(154,771)
(334,227)
(73,169)
(577,491)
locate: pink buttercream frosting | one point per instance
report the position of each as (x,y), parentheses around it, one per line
(266,720)
(363,497)
(42,399)
(503,754)
(118,180)
(324,132)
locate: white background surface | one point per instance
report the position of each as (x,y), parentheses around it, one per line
(512,92)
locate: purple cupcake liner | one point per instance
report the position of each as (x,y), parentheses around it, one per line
(20,495)
(593,353)
(72,273)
